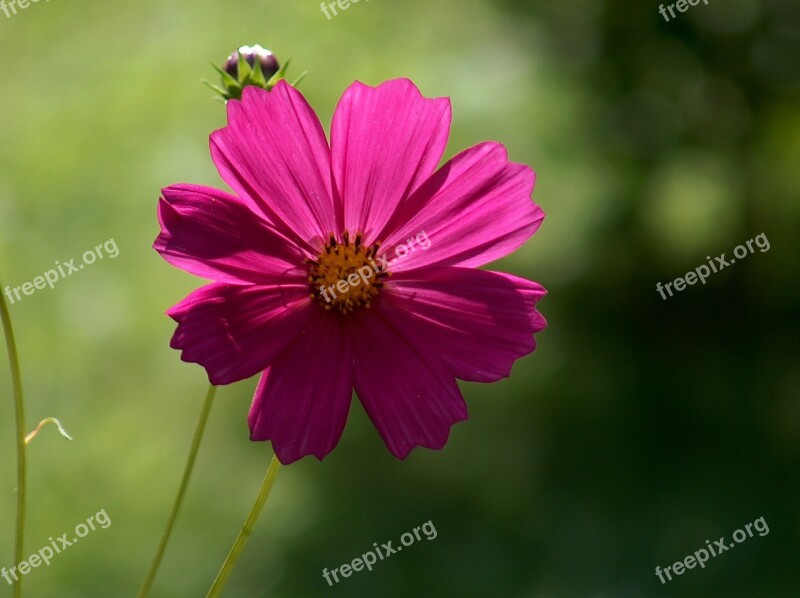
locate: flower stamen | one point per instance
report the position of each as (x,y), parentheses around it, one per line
(345,275)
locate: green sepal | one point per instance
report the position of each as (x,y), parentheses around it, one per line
(299,78)
(231,88)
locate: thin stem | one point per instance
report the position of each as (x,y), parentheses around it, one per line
(247,529)
(187,473)
(19,408)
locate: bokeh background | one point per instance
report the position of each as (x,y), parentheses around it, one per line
(639,428)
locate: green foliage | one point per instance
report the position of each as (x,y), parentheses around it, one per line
(637,430)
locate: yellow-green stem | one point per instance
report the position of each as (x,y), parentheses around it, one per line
(19,410)
(247,529)
(187,473)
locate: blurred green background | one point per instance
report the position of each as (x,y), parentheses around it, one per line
(639,429)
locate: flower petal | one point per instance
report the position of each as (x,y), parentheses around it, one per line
(217,236)
(235,332)
(478,322)
(274,152)
(408,393)
(303,399)
(475,209)
(385,142)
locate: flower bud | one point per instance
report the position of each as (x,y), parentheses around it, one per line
(266,60)
(249,66)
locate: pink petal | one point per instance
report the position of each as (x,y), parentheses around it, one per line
(235,332)
(407,391)
(303,399)
(478,322)
(274,152)
(475,209)
(216,236)
(385,142)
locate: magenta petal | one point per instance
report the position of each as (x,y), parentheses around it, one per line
(475,209)
(478,322)
(385,142)
(197,225)
(274,152)
(235,332)
(303,399)
(408,393)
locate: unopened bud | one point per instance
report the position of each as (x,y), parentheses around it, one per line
(249,66)
(266,60)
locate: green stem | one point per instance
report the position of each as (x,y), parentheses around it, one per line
(247,529)
(19,408)
(187,473)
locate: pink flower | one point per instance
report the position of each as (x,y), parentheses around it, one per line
(304,216)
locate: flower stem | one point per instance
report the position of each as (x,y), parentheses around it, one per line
(187,473)
(19,408)
(247,529)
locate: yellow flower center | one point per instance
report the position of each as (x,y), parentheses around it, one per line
(347,276)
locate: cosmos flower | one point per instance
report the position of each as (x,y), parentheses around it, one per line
(306,215)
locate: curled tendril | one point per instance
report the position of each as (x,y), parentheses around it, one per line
(42,424)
